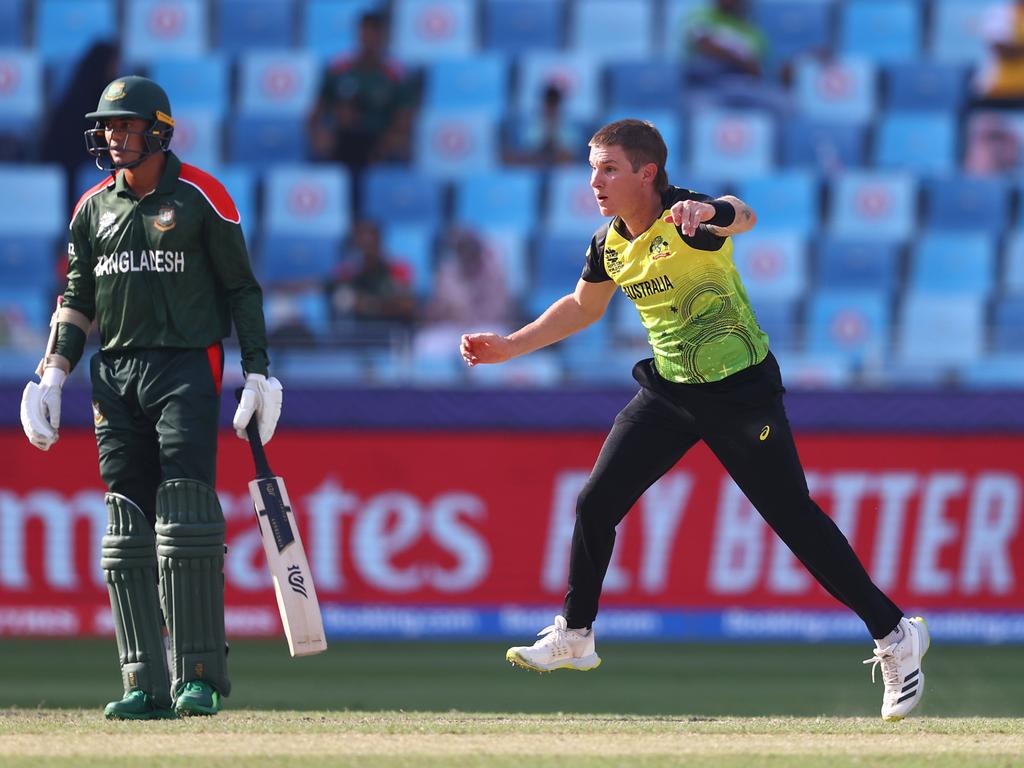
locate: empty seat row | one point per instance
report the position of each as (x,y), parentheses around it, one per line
(425,30)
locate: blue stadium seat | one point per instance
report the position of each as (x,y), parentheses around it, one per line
(399,195)
(967,203)
(665,120)
(240,182)
(478,84)
(787,200)
(868,206)
(1012,281)
(278,83)
(808,371)
(197,138)
(571,206)
(883,30)
(576,74)
(243,25)
(263,138)
(836,91)
(538,369)
(923,142)
(1001,371)
(306,200)
(298,258)
(1008,325)
(13,23)
(21,91)
(960,264)
(925,86)
(779,318)
(40,206)
(195,84)
(86,176)
(510,246)
(854,324)
(824,146)
(773,266)
(675,25)
(29,262)
(643,85)
(503,198)
(685,177)
(455,143)
(330,28)
(156,29)
(24,311)
(412,245)
(956,30)
(793,28)
(66,29)
(858,265)
(940,330)
(298,313)
(631,20)
(731,143)
(428,30)
(520,26)
(558,264)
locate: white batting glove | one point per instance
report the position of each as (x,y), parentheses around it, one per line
(260,396)
(40,408)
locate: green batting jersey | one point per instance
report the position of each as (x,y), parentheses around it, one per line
(690,298)
(169,270)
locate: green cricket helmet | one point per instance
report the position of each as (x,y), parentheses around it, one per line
(132,97)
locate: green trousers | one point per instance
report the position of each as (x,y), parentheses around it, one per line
(156,413)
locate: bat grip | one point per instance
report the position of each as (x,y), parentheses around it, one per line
(259,455)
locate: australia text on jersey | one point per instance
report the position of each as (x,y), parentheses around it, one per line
(143,261)
(647,287)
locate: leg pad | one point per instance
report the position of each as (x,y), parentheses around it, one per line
(190,547)
(129,565)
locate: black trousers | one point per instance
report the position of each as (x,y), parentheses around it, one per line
(157,413)
(742,420)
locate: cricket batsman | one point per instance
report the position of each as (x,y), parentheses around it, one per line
(156,257)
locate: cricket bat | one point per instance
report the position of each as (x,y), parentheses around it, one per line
(286,557)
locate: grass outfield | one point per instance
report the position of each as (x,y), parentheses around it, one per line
(635,679)
(41,738)
(463,705)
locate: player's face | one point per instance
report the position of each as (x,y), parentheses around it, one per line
(124,138)
(616,185)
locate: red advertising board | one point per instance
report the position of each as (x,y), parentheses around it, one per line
(485,519)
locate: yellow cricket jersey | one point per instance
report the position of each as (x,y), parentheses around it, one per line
(690,298)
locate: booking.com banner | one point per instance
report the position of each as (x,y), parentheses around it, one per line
(463,534)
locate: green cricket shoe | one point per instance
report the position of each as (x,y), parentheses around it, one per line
(197,698)
(137,705)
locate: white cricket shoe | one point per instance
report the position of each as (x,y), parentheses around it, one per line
(901,669)
(558,648)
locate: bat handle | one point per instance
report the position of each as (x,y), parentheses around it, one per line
(258,454)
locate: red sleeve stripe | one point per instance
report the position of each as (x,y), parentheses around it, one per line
(93,190)
(212,190)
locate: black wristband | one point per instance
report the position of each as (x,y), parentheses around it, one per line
(725,214)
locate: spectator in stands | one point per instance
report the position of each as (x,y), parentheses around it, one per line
(471,288)
(549,137)
(365,107)
(471,285)
(993,146)
(62,137)
(370,286)
(725,55)
(1000,79)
